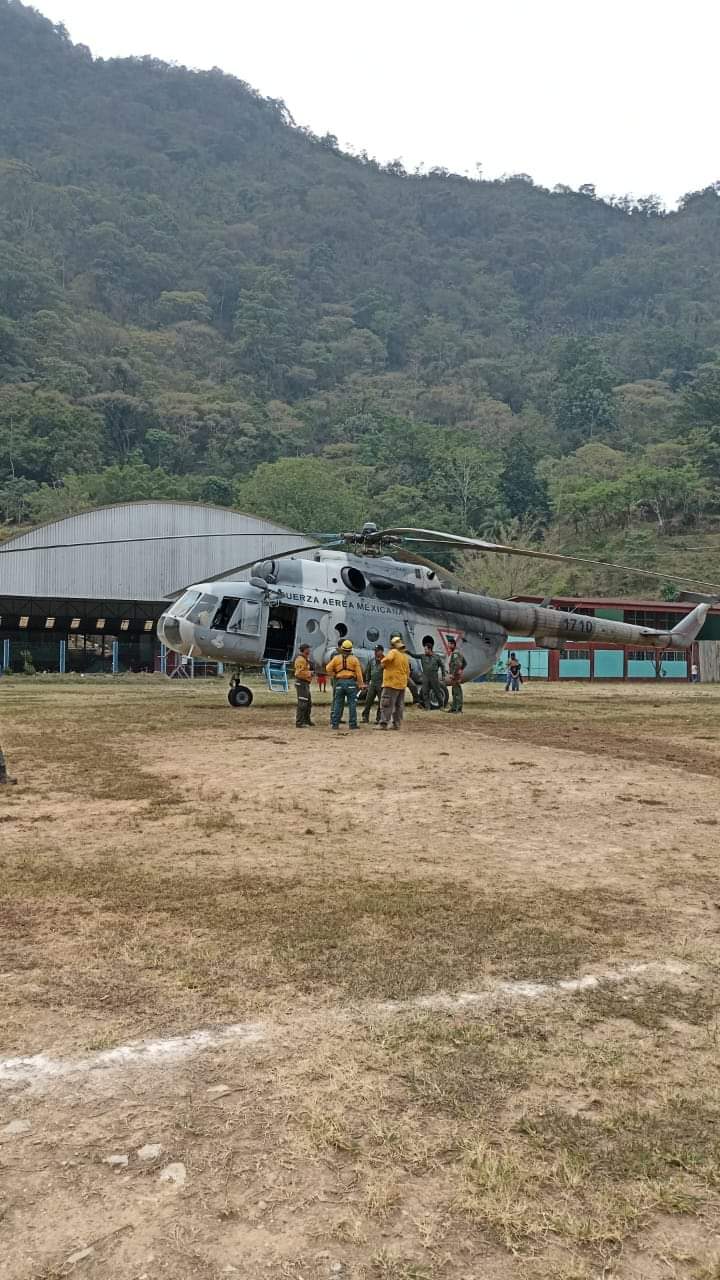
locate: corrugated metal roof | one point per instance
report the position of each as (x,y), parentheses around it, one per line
(138,570)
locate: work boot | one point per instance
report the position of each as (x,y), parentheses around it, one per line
(5,779)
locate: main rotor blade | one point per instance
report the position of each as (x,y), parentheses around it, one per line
(157,537)
(432,536)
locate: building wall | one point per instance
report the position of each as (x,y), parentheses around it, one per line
(145,570)
(585,662)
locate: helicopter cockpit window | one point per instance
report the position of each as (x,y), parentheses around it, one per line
(353,578)
(181,606)
(203,610)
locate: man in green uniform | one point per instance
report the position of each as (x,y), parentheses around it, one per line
(432,668)
(456,667)
(373,680)
(303,679)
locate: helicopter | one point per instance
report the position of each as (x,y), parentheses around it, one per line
(353,585)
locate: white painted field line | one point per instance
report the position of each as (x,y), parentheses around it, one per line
(139,1053)
(41,1069)
(531,990)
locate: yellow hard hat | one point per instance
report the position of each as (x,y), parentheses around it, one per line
(346,644)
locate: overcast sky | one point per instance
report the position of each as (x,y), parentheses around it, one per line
(622,93)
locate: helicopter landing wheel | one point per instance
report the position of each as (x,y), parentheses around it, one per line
(436,705)
(240,696)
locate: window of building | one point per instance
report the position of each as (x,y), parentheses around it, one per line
(651,655)
(24,621)
(75,624)
(94,645)
(49,624)
(125,624)
(100,624)
(579,655)
(658,619)
(148,626)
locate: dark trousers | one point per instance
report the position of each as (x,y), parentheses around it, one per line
(304,703)
(430,685)
(345,691)
(374,691)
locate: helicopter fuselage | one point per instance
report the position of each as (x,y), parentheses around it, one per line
(320,597)
(318,600)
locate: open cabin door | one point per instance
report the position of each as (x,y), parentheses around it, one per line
(281,627)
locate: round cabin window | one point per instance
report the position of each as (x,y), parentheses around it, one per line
(373,635)
(341,630)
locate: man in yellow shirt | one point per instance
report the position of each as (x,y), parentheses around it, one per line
(346,671)
(303,678)
(396,674)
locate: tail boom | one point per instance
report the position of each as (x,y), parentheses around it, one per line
(550,627)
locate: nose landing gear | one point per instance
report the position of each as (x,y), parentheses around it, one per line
(239,695)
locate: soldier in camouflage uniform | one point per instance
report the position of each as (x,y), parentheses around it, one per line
(5,779)
(432,667)
(373,679)
(456,666)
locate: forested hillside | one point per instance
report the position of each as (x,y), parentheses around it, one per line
(198,298)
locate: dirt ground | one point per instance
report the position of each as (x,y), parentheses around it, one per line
(439,1004)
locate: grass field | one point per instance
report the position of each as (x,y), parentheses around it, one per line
(385,937)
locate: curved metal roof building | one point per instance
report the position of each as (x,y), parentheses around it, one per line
(84,593)
(96,555)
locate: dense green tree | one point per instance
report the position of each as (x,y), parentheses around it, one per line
(701,397)
(199,299)
(127,420)
(308,494)
(190,304)
(524,492)
(583,402)
(43,435)
(133,482)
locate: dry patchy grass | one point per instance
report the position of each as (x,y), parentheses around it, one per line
(168,863)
